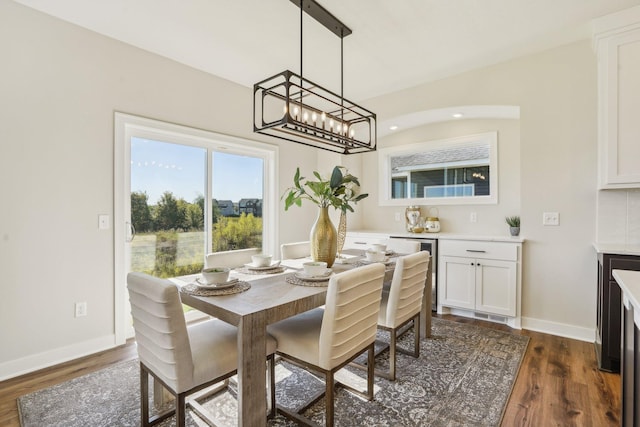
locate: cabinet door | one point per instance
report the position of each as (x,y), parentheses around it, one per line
(496,287)
(619,77)
(458,277)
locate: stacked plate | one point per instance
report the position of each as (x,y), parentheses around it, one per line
(317,278)
(204,285)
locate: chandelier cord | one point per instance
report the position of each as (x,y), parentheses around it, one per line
(301,16)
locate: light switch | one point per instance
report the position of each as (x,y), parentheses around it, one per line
(103,222)
(550,218)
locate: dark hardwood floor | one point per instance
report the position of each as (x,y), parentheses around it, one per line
(558,384)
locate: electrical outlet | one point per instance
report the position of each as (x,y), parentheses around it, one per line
(81,309)
(473,217)
(398,216)
(550,218)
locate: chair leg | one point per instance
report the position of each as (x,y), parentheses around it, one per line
(392,354)
(370,370)
(271,368)
(181,410)
(416,333)
(328,397)
(144,396)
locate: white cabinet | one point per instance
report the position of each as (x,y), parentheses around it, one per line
(617,43)
(480,277)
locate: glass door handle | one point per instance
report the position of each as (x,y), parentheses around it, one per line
(131,232)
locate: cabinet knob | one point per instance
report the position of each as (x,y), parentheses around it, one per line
(472,264)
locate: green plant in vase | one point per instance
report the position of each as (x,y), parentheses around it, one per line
(514,224)
(339,191)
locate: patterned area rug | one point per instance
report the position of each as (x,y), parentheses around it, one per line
(463,377)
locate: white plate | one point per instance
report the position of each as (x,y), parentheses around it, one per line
(202,285)
(303,276)
(268,267)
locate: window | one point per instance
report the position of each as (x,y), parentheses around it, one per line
(453,171)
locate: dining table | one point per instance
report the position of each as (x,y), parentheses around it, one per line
(270,297)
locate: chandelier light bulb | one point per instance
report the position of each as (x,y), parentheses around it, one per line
(323,117)
(295,112)
(314,117)
(305,117)
(352,132)
(331,124)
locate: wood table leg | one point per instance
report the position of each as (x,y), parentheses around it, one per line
(252,403)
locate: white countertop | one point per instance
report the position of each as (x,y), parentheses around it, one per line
(444,236)
(629,282)
(616,248)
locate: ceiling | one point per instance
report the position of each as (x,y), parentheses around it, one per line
(395,44)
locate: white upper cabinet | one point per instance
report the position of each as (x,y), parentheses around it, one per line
(617,44)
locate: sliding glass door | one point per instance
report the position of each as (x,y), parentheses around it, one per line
(182,193)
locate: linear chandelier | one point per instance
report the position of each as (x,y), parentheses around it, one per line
(290,107)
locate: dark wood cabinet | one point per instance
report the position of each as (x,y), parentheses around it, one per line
(608,309)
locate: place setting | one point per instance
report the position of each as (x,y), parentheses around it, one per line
(261,264)
(214,281)
(314,273)
(378,253)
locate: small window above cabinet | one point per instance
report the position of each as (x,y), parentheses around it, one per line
(617,44)
(461,170)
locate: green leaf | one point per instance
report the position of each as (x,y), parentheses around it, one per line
(336,177)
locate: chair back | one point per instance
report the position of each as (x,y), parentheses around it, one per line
(403,246)
(295,250)
(407,288)
(161,330)
(231,259)
(351,313)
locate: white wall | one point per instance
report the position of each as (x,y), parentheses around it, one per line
(554,168)
(59,89)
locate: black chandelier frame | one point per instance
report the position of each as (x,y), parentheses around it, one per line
(290,107)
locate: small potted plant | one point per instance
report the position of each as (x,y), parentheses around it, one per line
(514,224)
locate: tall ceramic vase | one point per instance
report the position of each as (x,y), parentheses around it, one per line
(323,238)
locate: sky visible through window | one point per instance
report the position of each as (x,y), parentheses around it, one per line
(157,167)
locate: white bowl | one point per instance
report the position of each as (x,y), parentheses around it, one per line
(374,256)
(314,268)
(261,260)
(379,247)
(215,275)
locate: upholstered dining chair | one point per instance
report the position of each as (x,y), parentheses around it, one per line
(183,359)
(231,259)
(326,340)
(401,304)
(295,250)
(403,246)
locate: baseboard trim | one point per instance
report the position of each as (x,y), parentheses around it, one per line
(559,329)
(34,362)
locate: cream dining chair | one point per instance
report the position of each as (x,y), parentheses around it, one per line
(183,359)
(325,340)
(231,259)
(295,250)
(401,304)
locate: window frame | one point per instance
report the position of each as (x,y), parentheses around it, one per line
(127,126)
(385,175)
